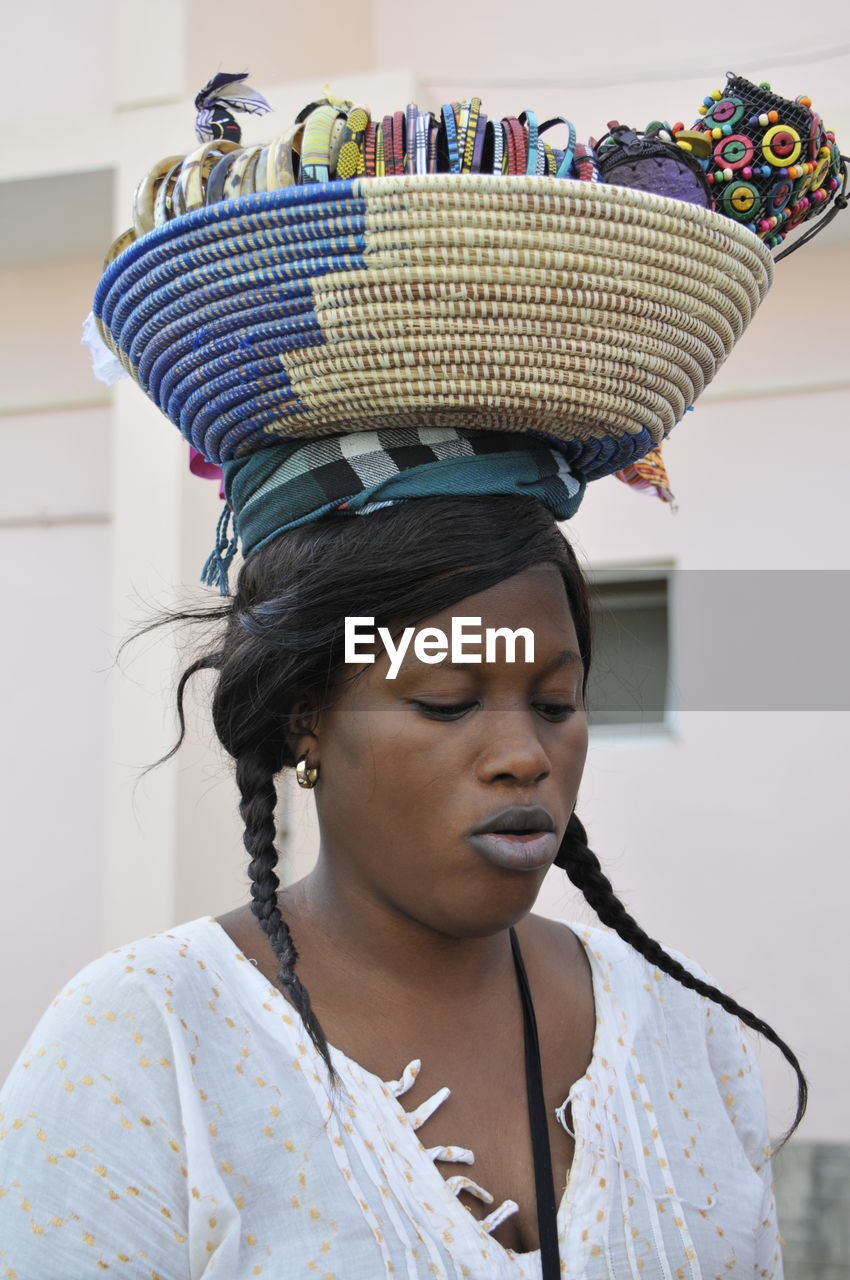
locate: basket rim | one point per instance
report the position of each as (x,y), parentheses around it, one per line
(337,194)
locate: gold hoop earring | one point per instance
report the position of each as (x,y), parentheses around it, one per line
(306,777)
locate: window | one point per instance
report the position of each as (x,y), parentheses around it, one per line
(630,670)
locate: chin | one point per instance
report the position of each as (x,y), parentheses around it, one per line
(480,913)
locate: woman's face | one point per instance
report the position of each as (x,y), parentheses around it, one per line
(410,766)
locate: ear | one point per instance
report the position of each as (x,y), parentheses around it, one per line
(303,734)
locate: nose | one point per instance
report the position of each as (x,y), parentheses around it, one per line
(513,750)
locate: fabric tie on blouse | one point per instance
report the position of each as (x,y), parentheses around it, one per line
(449,1155)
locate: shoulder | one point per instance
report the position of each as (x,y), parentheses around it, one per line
(622,972)
(117,1003)
(93,1113)
(681,1030)
(114,1052)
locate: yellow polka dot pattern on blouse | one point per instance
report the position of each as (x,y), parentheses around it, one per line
(171,1119)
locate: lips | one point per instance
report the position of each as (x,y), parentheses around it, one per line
(516,820)
(520,838)
(529,852)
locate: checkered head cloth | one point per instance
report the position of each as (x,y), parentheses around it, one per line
(290,484)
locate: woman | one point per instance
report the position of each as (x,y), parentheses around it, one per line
(176,1115)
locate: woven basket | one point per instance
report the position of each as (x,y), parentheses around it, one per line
(591,313)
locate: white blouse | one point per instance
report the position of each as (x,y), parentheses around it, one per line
(170,1119)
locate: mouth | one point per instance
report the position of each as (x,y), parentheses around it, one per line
(528,851)
(521,838)
(518,819)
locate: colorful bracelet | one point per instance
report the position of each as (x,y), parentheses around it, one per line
(586,166)
(516,145)
(410,114)
(217,179)
(316,147)
(351,161)
(337,132)
(162,205)
(145,194)
(450,126)
(566,157)
(421,135)
(371,149)
(433,144)
(498,146)
(398,142)
(261,172)
(240,176)
(385,146)
(478,145)
(565,167)
(387,131)
(467,136)
(462,116)
(529,119)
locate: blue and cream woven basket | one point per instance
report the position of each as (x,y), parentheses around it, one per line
(594,314)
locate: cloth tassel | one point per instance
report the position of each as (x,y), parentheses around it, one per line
(649,473)
(218,562)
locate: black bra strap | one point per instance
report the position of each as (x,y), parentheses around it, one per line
(547,1209)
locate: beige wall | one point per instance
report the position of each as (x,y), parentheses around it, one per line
(725,835)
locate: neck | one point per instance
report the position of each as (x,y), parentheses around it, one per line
(392,952)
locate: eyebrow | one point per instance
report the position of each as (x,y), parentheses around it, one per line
(566,658)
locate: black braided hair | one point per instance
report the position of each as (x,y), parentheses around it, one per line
(582,866)
(255,779)
(282,640)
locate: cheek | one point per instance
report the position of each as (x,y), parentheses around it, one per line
(371,754)
(569,754)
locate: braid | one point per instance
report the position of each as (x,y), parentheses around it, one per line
(582,867)
(255,779)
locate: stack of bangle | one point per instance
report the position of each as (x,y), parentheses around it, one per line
(333,139)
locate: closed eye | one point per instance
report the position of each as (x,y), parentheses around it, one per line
(454,710)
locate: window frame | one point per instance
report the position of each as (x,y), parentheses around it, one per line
(623,572)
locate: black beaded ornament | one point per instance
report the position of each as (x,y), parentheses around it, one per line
(772,163)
